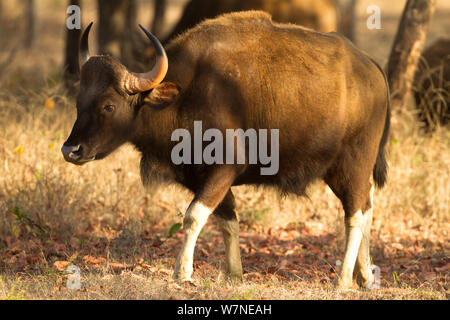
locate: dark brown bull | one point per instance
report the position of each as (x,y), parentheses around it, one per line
(431,85)
(320,15)
(328,100)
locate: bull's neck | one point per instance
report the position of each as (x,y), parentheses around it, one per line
(153,130)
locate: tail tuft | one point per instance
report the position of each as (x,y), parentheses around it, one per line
(381,166)
(380,169)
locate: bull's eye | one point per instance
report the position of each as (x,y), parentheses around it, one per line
(109,108)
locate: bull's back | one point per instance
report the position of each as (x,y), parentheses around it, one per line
(284,75)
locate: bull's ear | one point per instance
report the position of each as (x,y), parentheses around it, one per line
(162,95)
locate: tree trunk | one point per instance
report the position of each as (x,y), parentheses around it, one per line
(405,52)
(117,22)
(129,36)
(160,7)
(30,20)
(71,64)
(347,19)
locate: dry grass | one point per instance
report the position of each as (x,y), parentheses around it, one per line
(52,211)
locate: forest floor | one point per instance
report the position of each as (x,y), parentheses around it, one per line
(125,239)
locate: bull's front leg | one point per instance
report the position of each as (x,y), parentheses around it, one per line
(210,194)
(195,218)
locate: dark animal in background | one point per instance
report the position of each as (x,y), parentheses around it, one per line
(328,99)
(320,15)
(431,85)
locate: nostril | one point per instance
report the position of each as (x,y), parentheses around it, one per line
(72,152)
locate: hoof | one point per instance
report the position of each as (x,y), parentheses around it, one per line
(235,277)
(367,280)
(185,282)
(182,277)
(179,284)
(367,284)
(341,284)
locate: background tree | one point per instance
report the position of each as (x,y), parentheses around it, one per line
(160,7)
(30,23)
(117,28)
(71,64)
(347,18)
(406,49)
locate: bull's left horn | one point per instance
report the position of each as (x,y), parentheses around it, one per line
(140,82)
(84,44)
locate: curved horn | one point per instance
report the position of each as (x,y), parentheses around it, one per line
(84,44)
(140,82)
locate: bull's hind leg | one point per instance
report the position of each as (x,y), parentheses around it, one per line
(229,225)
(363,272)
(353,189)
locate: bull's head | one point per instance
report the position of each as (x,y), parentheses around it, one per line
(106,103)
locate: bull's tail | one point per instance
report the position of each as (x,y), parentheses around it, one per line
(381,166)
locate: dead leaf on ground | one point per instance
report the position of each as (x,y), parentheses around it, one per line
(429,276)
(116,265)
(147,267)
(93,260)
(61,265)
(445,268)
